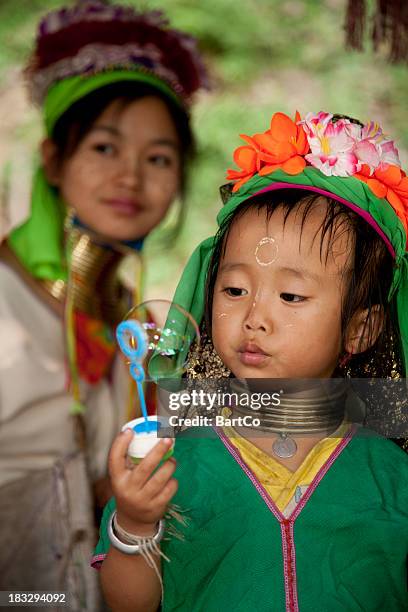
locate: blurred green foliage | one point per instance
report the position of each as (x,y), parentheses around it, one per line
(264,56)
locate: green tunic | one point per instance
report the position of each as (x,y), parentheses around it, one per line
(344,548)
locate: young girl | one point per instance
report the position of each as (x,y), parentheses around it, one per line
(115,88)
(307,279)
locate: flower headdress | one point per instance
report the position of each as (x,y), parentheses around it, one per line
(337,146)
(354,164)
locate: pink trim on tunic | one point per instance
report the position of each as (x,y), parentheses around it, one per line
(293,557)
(97,561)
(287,524)
(289,569)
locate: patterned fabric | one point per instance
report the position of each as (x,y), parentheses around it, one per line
(95,347)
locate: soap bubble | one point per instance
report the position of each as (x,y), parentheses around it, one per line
(164,340)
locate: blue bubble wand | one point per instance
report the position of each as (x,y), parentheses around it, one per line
(128,333)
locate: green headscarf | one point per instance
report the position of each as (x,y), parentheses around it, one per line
(190,292)
(38,242)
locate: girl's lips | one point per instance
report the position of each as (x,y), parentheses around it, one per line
(250,354)
(252,359)
(124,206)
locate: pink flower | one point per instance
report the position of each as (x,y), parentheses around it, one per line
(332,144)
(375,149)
(316,123)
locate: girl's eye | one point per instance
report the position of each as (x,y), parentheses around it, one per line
(161,161)
(235,291)
(104,148)
(292,297)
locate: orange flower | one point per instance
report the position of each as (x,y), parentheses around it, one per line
(391,183)
(247,158)
(283,146)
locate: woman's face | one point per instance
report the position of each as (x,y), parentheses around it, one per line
(126,171)
(277,302)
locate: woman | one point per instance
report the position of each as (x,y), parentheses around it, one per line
(115,88)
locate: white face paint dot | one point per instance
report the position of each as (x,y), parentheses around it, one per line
(266,251)
(222,314)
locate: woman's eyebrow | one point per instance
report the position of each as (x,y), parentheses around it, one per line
(166,141)
(114,131)
(106,128)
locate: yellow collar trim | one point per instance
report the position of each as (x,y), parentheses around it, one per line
(279,482)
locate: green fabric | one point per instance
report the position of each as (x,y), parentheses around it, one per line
(38,242)
(190,292)
(351,537)
(63,94)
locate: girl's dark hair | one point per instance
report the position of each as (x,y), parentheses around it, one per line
(72,127)
(369,275)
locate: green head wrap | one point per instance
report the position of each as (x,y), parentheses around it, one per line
(190,292)
(38,242)
(65,93)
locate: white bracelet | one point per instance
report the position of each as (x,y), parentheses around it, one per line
(139,543)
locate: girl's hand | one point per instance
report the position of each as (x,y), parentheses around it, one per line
(141,496)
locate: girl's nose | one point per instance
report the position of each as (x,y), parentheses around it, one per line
(258,317)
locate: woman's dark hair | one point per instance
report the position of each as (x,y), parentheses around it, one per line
(72,127)
(369,275)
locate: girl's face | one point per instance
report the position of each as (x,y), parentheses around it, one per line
(277,302)
(125,173)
